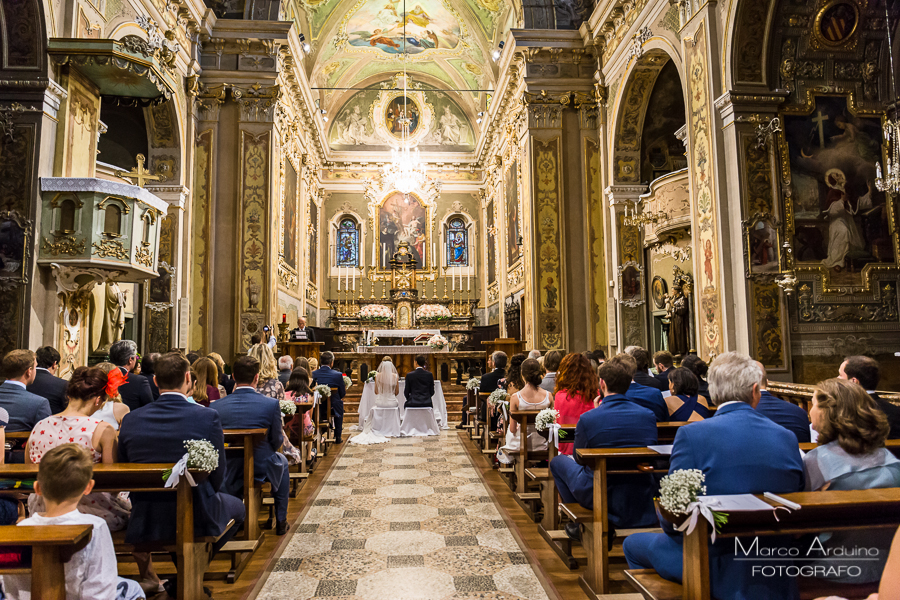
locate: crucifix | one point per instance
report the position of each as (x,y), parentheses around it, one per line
(820,121)
(139,175)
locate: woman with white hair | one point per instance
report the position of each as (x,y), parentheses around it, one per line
(268,372)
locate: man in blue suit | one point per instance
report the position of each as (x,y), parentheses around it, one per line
(325,375)
(245,408)
(616,423)
(790,416)
(740,451)
(642,395)
(156,433)
(25,409)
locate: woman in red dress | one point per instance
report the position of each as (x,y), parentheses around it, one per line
(576,387)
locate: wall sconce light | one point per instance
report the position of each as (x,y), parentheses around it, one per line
(480,117)
(304,44)
(497,53)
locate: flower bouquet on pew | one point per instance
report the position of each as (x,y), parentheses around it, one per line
(547,420)
(288,408)
(681,502)
(324,391)
(348,383)
(499,400)
(474,383)
(201,456)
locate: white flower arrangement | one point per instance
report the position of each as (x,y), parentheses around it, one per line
(474,383)
(545,418)
(679,493)
(376,312)
(324,391)
(288,408)
(201,456)
(497,397)
(347,382)
(437,341)
(433,312)
(372,375)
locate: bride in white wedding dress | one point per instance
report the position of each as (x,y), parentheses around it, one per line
(387,388)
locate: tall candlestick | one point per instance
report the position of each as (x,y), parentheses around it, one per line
(452,282)
(373,250)
(424,252)
(433,255)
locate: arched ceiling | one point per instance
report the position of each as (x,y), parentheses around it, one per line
(360,44)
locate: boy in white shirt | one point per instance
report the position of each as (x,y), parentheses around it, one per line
(64,476)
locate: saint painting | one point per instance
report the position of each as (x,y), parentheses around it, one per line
(401,112)
(457,243)
(402,218)
(383,25)
(512,215)
(289,251)
(491,244)
(841,219)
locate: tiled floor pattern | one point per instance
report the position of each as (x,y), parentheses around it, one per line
(407,520)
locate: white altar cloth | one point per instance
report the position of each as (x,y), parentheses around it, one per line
(400,333)
(367,403)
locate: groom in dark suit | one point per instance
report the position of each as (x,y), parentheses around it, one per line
(419,385)
(325,375)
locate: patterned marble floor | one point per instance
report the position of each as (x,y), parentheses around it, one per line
(407,520)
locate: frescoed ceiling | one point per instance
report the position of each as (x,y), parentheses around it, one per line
(361,44)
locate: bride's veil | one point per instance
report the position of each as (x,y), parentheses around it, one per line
(386,378)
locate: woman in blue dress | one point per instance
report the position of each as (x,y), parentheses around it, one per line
(684,403)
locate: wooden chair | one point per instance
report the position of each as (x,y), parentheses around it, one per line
(191,554)
(666,430)
(52,546)
(822,511)
(523,456)
(247,542)
(471,396)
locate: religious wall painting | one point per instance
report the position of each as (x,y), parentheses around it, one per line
(402,218)
(836,22)
(313,241)
(547,208)
(457,243)
(383,25)
(347,243)
(491,243)
(291,234)
(401,117)
(767,321)
(762,244)
(513,229)
(631,289)
(13,246)
(659,289)
(841,222)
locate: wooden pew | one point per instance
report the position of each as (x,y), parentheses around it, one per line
(524,418)
(471,396)
(549,525)
(242,548)
(801,394)
(52,546)
(192,554)
(822,511)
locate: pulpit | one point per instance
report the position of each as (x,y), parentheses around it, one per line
(508,346)
(304,349)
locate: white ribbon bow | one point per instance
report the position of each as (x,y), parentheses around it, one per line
(554,433)
(505,414)
(180,468)
(694,510)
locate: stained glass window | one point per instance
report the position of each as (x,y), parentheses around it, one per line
(457,243)
(348,243)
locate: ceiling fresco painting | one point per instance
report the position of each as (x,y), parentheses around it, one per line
(426,25)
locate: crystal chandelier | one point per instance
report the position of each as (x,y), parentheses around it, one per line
(405,173)
(890,183)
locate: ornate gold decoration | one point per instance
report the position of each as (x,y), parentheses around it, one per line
(139,174)
(810,312)
(546,165)
(143,256)
(768,338)
(110,249)
(66,244)
(833,34)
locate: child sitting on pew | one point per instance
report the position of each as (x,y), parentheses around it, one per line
(64,477)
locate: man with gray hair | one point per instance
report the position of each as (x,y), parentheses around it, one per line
(285,366)
(136,390)
(740,451)
(535,354)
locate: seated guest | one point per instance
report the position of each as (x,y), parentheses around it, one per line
(648,397)
(255,339)
(206,389)
(698,367)
(245,408)
(528,397)
(865,371)
(136,390)
(684,404)
(298,391)
(147,371)
(740,452)
(24,408)
(300,363)
(642,374)
(285,366)
(313,365)
(788,415)
(615,423)
(535,354)
(9,508)
(551,365)
(64,479)
(76,424)
(851,456)
(490,382)
(302,333)
(419,386)
(269,384)
(46,384)
(663,361)
(112,409)
(332,378)
(576,389)
(192,357)
(226,383)
(513,380)
(155,433)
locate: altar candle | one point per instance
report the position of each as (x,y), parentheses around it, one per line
(373,251)
(433,255)
(453,282)
(284,318)
(424,251)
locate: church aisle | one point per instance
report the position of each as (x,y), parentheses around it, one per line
(410,519)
